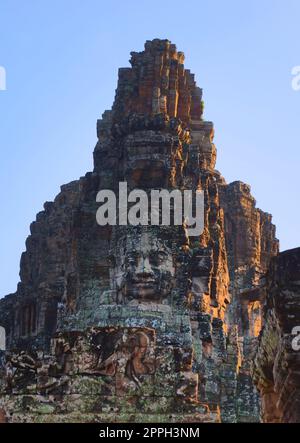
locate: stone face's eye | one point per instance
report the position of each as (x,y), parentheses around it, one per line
(132,260)
(157,258)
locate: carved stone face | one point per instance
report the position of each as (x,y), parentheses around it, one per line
(144,268)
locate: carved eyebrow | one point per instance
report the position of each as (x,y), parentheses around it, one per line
(132,253)
(157,253)
(162,252)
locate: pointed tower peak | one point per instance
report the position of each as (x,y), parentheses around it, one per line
(158,83)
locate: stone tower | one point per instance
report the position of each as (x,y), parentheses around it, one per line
(141,323)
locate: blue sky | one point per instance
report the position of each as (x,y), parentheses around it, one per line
(61,60)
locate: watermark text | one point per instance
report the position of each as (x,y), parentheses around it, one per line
(2,339)
(2,79)
(165,208)
(296,339)
(296,78)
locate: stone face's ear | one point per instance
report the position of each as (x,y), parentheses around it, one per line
(111,260)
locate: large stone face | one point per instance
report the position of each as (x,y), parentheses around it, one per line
(141,323)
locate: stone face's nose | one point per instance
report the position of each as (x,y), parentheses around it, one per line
(144,268)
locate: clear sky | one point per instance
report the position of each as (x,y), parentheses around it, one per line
(61,59)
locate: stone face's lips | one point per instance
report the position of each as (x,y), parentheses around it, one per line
(144,286)
(144,283)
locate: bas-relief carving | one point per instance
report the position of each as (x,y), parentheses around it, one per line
(108,351)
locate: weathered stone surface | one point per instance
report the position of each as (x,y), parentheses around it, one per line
(276,365)
(144,323)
